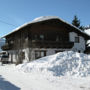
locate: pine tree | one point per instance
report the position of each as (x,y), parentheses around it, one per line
(76,22)
(82,28)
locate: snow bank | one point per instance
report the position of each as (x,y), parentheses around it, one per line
(67,63)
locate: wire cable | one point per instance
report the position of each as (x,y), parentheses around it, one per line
(7,23)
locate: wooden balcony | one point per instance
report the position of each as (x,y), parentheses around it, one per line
(6,46)
(51,44)
(41,44)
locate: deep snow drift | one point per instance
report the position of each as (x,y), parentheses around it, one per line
(55,72)
(67,63)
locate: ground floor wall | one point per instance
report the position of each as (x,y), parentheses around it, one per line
(79,42)
(28,54)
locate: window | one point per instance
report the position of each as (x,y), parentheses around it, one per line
(76,39)
(22,55)
(39,54)
(41,37)
(79,51)
(59,51)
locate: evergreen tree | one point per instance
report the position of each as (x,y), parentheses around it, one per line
(76,22)
(82,28)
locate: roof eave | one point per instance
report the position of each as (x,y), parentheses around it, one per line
(36,21)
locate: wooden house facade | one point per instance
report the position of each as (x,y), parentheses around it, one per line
(41,37)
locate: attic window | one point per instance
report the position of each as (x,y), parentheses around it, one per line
(76,39)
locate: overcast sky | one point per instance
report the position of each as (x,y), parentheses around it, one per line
(14,13)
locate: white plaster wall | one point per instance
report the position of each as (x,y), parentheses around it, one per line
(9,56)
(12,54)
(77,46)
(50,52)
(72,36)
(82,43)
(15,53)
(29,51)
(14,57)
(33,55)
(26,54)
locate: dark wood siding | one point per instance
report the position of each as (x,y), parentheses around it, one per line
(48,34)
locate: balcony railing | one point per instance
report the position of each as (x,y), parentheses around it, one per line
(41,44)
(52,44)
(6,46)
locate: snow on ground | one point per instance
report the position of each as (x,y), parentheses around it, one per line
(60,64)
(62,71)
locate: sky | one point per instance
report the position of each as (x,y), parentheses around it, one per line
(14,13)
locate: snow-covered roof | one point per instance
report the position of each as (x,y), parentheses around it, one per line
(44,18)
(87,31)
